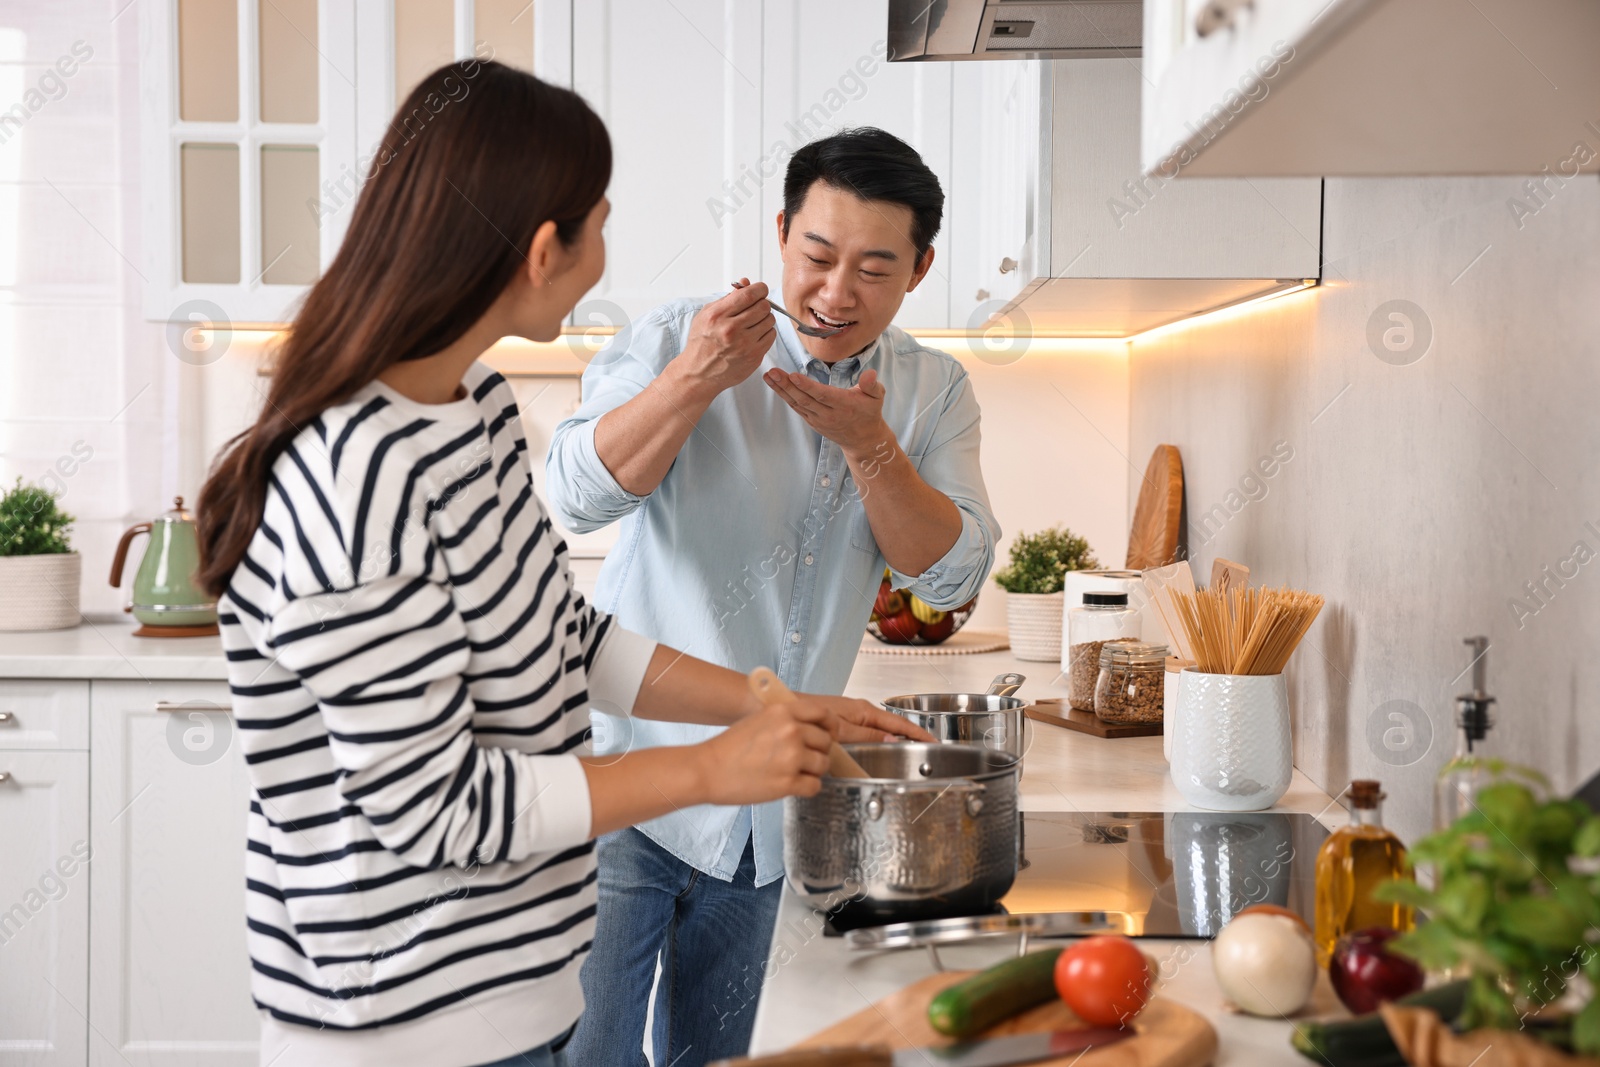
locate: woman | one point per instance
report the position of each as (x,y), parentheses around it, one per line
(411,664)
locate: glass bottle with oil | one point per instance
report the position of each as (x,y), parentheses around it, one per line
(1352,862)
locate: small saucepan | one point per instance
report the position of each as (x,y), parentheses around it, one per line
(993,719)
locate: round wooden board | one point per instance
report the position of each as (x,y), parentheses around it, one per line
(1167,1033)
(1158,517)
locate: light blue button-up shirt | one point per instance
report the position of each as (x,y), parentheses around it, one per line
(755,548)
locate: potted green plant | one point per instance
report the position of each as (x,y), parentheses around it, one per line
(38,569)
(1033,582)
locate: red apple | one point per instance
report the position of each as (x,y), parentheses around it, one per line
(1365,972)
(934,632)
(889,602)
(900,627)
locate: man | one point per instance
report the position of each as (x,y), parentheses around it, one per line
(758,512)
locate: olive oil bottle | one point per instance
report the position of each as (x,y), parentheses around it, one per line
(1353,861)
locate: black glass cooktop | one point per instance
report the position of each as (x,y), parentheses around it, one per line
(1166,874)
(1156,874)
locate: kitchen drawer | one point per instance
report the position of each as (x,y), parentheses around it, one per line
(43,713)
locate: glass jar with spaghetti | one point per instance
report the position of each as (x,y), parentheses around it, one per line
(1132,682)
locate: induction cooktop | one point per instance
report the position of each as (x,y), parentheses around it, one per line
(1166,874)
(1172,874)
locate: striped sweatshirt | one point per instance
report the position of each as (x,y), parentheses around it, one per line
(411,669)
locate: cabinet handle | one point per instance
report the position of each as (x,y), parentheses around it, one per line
(1217,14)
(7,717)
(5,776)
(174,707)
(1007,265)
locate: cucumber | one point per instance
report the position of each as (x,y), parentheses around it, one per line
(1364,1041)
(1006,989)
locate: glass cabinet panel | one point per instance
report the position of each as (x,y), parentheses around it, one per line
(208,60)
(424,39)
(506,26)
(289,239)
(210,213)
(288,51)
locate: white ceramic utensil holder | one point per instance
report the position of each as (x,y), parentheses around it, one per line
(1230,745)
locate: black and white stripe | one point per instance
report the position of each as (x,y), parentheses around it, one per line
(408,658)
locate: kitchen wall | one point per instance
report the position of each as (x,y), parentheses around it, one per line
(1432,474)
(89,392)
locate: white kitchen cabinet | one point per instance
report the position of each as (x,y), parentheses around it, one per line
(248,119)
(169,973)
(1000,188)
(1085,245)
(44,894)
(823,69)
(706,101)
(679,87)
(1370,87)
(259,119)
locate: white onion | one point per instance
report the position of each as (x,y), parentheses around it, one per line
(1265,964)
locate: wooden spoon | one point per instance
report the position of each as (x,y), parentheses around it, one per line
(769,689)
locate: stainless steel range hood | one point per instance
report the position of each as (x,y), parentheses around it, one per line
(1014,29)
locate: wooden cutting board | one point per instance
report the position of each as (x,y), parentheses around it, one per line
(1168,1034)
(1158,516)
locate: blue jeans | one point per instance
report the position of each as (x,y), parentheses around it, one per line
(712,938)
(552,1055)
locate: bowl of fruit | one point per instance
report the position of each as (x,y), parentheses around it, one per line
(900,618)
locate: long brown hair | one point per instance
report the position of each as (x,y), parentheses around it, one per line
(476,159)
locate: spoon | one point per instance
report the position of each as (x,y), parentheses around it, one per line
(805,328)
(769,689)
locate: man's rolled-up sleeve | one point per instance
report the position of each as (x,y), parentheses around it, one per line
(584,495)
(950,465)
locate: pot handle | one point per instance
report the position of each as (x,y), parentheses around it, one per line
(972,796)
(1006,684)
(122,551)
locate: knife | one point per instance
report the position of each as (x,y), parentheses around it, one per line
(990,1052)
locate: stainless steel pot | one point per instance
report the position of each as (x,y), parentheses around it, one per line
(993,719)
(932,833)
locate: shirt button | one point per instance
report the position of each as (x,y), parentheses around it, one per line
(810,559)
(826,481)
(794,638)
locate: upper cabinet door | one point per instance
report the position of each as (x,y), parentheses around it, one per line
(248,119)
(999,196)
(823,69)
(679,87)
(1371,87)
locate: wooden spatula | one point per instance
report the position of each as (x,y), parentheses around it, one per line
(769,689)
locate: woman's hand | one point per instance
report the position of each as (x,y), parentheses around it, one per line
(777,752)
(862,720)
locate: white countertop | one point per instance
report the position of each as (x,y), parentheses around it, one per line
(104,647)
(815,981)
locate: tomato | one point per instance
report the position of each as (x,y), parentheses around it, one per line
(1104,980)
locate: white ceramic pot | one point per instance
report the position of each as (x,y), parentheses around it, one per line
(39,592)
(1230,745)
(1034,620)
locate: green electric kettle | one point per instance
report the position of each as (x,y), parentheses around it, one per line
(166,598)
